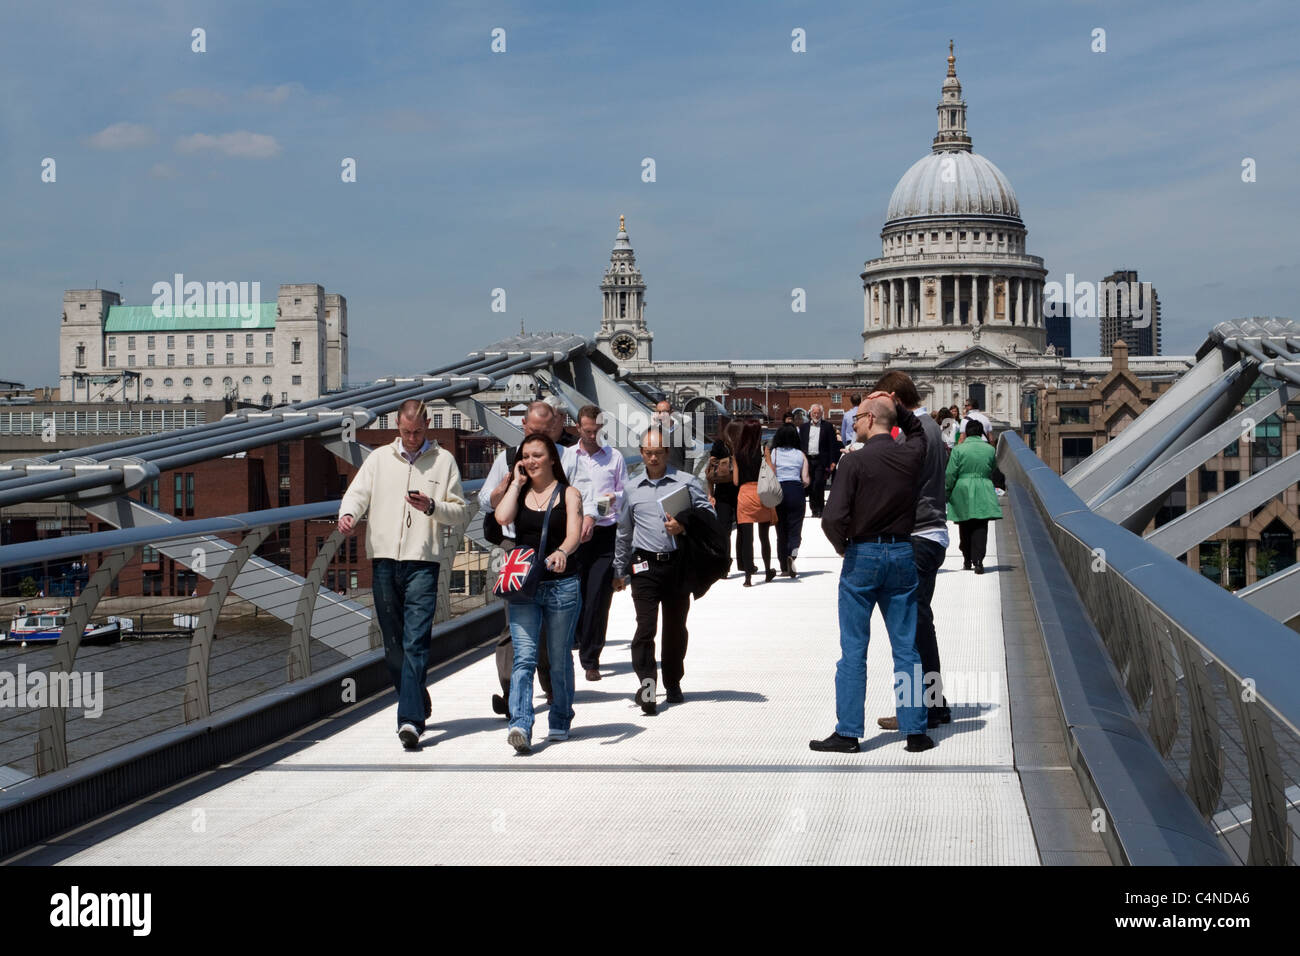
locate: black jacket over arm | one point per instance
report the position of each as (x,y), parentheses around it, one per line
(704,550)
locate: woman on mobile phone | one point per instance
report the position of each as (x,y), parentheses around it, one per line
(538,484)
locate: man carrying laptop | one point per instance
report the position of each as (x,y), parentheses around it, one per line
(647,546)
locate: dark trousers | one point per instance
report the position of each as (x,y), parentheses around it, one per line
(660,585)
(596,572)
(726,518)
(817,471)
(745,546)
(973,536)
(406,595)
(789,522)
(929,556)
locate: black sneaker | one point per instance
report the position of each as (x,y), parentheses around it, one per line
(649,709)
(918,742)
(835,744)
(674,693)
(499,706)
(409,736)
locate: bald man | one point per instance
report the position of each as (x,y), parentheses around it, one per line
(869,520)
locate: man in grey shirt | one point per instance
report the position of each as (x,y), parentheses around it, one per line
(647,547)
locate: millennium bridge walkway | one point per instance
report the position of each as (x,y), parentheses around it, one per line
(1110,705)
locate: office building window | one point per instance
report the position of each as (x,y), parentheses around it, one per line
(130,361)
(248,358)
(81,356)
(150,360)
(167,382)
(207,380)
(112,342)
(1073,451)
(189,359)
(230,341)
(189,341)
(270,358)
(171,341)
(171,359)
(1074,414)
(212,340)
(437,422)
(296,356)
(270,339)
(130,342)
(210,359)
(297,380)
(150,341)
(230,358)
(248,340)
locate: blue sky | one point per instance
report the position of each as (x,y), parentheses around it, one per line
(478,170)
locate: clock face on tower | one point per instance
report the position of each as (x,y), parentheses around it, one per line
(623,345)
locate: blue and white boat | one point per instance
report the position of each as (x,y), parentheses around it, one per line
(45,626)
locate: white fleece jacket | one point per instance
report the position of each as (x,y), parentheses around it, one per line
(394,529)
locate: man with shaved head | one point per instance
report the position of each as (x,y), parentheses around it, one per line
(410,493)
(869,520)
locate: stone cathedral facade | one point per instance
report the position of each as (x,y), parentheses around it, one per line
(955,299)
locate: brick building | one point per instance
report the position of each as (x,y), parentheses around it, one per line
(1076,422)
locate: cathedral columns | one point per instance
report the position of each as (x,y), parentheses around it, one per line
(938,301)
(974,299)
(907,302)
(992,285)
(1020,300)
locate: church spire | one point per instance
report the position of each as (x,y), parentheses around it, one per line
(952,112)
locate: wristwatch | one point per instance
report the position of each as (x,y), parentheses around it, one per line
(429,510)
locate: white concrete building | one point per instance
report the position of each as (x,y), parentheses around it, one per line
(289,350)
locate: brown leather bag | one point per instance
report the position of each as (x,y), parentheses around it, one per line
(719,471)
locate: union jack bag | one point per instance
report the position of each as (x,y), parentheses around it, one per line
(522,568)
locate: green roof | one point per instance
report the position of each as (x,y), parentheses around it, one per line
(141,318)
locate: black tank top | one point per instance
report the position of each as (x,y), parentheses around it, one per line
(528,531)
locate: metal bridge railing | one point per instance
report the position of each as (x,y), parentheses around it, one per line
(1212,676)
(243,624)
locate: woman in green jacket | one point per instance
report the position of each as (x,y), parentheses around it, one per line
(972,499)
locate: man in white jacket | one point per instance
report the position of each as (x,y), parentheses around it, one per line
(411,490)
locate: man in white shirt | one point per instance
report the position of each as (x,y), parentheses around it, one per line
(973,413)
(540,418)
(608,474)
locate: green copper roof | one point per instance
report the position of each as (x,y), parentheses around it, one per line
(141,318)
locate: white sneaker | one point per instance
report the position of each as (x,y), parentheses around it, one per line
(558,735)
(519,740)
(409,736)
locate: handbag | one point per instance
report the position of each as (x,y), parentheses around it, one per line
(769,489)
(521,571)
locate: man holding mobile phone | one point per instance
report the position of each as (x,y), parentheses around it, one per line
(409,492)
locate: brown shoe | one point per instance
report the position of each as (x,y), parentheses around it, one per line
(887,723)
(593,673)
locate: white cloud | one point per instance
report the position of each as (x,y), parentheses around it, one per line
(123,136)
(199,98)
(241,144)
(274,95)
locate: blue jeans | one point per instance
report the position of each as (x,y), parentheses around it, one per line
(406,593)
(884,574)
(558,601)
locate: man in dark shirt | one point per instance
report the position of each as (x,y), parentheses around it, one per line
(869,520)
